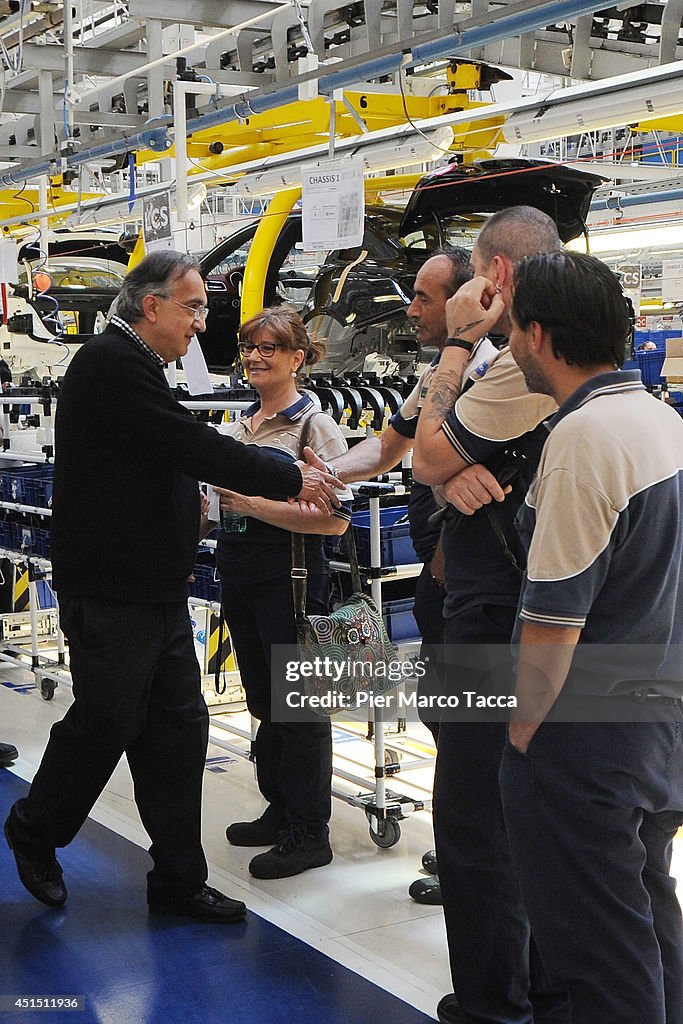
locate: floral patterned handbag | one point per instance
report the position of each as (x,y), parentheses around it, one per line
(352,637)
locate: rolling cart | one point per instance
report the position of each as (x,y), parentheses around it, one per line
(383,808)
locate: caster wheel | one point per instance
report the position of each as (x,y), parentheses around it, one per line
(47,688)
(385,834)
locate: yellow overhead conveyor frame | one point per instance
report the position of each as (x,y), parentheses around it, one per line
(258,260)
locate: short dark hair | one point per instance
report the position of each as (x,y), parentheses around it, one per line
(577,299)
(152,276)
(461,264)
(516,232)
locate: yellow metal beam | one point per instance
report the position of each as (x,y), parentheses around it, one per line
(261,251)
(23,202)
(138,252)
(307,122)
(391,183)
(660,124)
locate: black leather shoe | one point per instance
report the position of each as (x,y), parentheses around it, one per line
(261,832)
(8,753)
(295,851)
(449,1011)
(40,873)
(429,862)
(427,891)
(206,905)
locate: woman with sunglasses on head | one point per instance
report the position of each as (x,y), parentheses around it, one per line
(254,559)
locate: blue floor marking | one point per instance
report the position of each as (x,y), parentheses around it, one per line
(134,968)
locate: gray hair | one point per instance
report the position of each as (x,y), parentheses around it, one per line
(153,275)
(461,267)
(516,232)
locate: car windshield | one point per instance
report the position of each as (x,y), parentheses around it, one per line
(81,274)
(450,230)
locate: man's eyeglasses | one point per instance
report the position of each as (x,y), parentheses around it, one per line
(198,312)
(264,348)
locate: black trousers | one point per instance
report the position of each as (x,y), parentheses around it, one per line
(428,611)
(136,688)
(293,759)
(592,810)
(486,922)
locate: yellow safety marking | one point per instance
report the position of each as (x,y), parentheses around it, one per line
(21,591)
(228,664)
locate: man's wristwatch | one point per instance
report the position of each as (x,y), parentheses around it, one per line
(459,343)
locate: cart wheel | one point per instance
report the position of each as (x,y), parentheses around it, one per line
(47,688)
(386,834)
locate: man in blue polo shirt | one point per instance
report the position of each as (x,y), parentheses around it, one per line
(592,776)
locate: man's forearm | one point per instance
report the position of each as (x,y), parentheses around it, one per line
(545,657)
(434,458)
(444,391)
(372,456)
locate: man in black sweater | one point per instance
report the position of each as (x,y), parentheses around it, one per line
(125,527)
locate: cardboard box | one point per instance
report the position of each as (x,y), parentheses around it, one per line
(673,364)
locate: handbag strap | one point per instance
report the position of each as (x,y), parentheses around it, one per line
(299,571)
(219,685)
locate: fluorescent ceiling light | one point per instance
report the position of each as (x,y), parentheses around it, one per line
(196,194)
(670,237)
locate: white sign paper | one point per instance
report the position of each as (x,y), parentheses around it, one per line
(333,205)
(196,371)
(672,280)
(9,274)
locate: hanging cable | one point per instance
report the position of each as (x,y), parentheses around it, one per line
(304,27)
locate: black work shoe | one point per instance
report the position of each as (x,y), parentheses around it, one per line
(8,753)
(427,891)
(261,832)
(39,872)
(206,905)
(429,862)
(449,1011)
(296,850)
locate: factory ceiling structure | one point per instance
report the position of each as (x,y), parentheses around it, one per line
(94,79)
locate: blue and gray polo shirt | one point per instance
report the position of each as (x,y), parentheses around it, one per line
(603,527)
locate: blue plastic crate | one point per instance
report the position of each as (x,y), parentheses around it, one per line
(46,599)
(22,537)
(38,487)
(650,365)
(205,585)
(6,538)
(400,620)
(27,485)
(13,485)
(41,542)
(396,547)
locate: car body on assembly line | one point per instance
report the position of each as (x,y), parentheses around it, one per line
(355,299)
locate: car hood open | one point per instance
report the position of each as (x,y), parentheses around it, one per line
(564,193)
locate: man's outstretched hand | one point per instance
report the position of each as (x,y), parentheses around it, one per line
(319,486)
